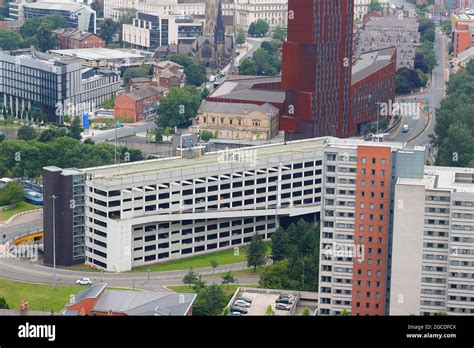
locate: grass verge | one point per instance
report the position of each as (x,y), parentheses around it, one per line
(20,207)
(41,297)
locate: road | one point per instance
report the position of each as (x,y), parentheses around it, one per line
(26,223)
(32,272)
(433,95)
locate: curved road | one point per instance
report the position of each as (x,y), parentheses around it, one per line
(27,271)
(421,128)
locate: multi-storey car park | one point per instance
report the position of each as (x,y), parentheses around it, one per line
(143,213)
(390,226)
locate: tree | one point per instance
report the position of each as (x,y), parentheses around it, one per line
(268,46)
(159,135)
(75,129)
(241,37)
(280,245)
(178,107)
(228,278)
(375,6)
(3,304)
(248,67)
(210,301)
(275,276)
(280,33)
(45,37)
(205,93)
(199,285)
(261,27)
(9,40)
(26,133)
(12,193)
(214,264)
(51,134)
(252,29)
(190,278)
(265,62)
(98,7)
(195,74)
(108,103)
(206,135)
(131,73)
(108,29)
(31,26)
(256,252)
(269,311)
(182,59)
(345,313)
(306,312)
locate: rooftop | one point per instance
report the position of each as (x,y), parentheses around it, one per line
(244,89)
(146,92)
(96,54)
(144,303)
(166,167)
(59,6)
(237,108)
(444,178)
(370,62)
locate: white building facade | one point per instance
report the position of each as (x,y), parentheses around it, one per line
(433,244)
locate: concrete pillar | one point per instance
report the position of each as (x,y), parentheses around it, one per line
(17,102)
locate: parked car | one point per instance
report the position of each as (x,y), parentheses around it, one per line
(241,303)
(239,309)
(246,299)
(405,129)
(283,306)
(286,296)
(84,281)
(285,300)
(289,298)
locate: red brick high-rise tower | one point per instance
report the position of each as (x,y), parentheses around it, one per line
(317,60)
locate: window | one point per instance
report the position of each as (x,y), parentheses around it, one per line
(364,160)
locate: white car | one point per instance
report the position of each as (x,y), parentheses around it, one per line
(283,306)
(241,303)
(84,281)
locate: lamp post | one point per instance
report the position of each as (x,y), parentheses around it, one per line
(54,239)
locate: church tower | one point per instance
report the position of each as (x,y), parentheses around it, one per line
(219,34)
(212,9)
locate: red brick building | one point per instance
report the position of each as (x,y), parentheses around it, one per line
(168,74)
(316,68)
(72,39)
(462,38)
(138,104)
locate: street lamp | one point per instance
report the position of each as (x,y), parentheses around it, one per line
(54,240)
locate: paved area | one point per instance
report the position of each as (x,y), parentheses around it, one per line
(261,299)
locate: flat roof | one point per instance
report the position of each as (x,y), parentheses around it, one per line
(60,6)
(262,153)
(444,178)
(95,54)
(370,62)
